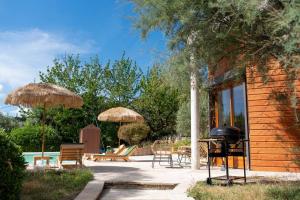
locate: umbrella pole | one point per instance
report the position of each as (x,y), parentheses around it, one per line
(43,130)
(118,137)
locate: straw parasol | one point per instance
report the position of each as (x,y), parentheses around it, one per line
(44,95)
(120,114)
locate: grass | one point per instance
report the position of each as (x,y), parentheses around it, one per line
(257,191)
(54,185)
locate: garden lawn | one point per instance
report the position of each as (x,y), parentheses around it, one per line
(259,191)
(54,185)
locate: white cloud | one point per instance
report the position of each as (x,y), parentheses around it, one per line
(24,53)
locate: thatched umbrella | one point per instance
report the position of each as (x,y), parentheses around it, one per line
(120,114)
(44,95)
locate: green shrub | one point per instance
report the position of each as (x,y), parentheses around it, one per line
(183,121)
(29,138)
(133,133)
(12,168)
(179,143)
(183,118)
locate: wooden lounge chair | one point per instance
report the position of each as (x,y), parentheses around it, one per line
(119,149)
(124,155)
(71,152)
(89,156)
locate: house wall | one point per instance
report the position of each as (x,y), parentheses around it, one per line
(274,138)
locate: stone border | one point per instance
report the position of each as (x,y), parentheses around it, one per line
(94,188)
(91,191)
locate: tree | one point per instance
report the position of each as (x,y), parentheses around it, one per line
(245,33)
(183,117)
(8,123)
(83,79)
(255,30)
(183,120)
(101,87)
(158,104)
(176,72)
(122,81)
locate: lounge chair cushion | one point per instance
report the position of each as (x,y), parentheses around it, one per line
(129,149)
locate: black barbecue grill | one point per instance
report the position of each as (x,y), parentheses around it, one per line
(224,142)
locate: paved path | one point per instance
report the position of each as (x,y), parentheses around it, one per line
(133,194)
(140,170)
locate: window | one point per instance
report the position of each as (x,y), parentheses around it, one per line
(231,107)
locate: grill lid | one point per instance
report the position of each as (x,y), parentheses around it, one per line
(232,134)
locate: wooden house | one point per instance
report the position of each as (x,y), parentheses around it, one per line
(266,111)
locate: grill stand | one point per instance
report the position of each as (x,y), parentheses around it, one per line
(225,152)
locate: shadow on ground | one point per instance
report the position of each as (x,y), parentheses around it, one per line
(113,169)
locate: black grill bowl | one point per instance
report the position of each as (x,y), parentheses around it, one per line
(231,134)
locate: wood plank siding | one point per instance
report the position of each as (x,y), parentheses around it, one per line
(274,136)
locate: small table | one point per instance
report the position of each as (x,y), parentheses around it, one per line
(36,158)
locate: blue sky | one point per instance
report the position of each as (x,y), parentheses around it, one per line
(34,32)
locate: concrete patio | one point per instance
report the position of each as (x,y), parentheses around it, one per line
(140,170)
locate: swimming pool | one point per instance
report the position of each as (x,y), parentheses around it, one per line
(30,155)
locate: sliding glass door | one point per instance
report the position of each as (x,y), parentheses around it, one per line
(224,108)
(230,110)
(239,109)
